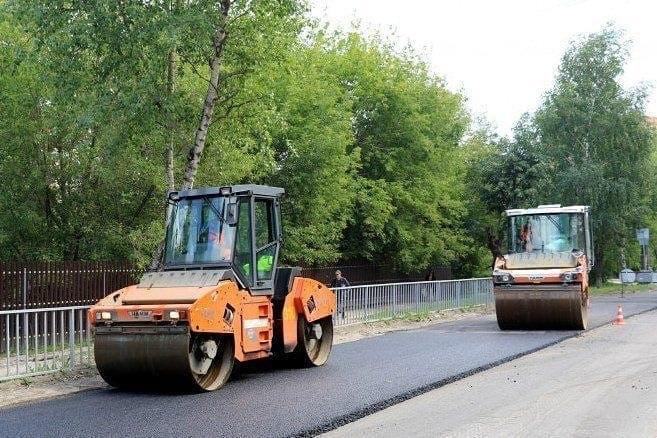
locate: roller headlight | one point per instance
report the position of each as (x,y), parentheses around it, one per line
(568,277)
(174,315)
(503,278)
(106,316)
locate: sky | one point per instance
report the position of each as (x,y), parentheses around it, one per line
(503,55)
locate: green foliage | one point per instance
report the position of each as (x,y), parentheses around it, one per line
(377,157)
(91,112)
(65,180)
(311,157)
(501,175)
(594,143)
(407,129)
(588,143)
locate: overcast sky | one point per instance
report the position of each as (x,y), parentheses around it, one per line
(503,55)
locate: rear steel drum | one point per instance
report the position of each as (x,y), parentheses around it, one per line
(540,307)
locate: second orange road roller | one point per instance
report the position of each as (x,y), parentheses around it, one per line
(219,298)
(543,280)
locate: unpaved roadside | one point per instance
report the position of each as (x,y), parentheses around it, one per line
(30,389)
(355,332)
(601,383)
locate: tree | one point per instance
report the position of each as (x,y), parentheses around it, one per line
(501,175)
(156,75)
(594,144)
(312,162)
(72,185)
(407,128)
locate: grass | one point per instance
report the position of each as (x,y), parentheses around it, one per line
(613,288)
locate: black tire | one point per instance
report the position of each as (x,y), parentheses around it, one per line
(310,351)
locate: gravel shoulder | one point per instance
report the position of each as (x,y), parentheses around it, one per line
(83,378)
(30,389)
(601,383)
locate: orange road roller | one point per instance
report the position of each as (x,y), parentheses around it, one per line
(219,297)
(543,280)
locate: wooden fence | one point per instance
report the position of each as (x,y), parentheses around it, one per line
(374,274)
(54,284)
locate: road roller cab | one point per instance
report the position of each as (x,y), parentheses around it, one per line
(219,297)
(542,282)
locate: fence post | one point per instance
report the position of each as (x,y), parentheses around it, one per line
(394,300)
(458,294)
(104,283)
(26,340)
(490,295)
(71,336)
(24,288)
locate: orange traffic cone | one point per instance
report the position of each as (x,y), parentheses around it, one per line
(619,317)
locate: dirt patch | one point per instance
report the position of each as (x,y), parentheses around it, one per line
(31,389)
(355,332)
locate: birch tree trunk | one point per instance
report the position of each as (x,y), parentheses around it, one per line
(171,88)
(196,150)
(211,96)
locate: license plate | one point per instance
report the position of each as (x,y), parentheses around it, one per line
(535,277)
(140,313)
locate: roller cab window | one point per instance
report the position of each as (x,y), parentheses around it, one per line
(196,233)
(257,242)
(563,232)
(266,239)
(244,243)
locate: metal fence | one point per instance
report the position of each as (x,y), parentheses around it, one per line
(369,303)
(39,341)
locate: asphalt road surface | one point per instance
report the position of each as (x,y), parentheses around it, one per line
(360,378)
(600,384)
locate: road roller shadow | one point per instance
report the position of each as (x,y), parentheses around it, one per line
(147,390)
(243,371)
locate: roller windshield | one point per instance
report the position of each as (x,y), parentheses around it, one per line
(197,234)
(547,233)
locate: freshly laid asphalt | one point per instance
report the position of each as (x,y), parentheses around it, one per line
(360,378)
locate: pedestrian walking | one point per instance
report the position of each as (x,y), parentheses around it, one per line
(340,281)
